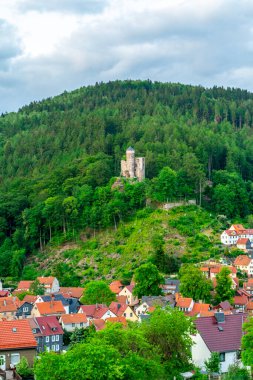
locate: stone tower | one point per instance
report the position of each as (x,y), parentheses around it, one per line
(133,167)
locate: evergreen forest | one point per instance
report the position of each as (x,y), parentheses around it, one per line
(59,159)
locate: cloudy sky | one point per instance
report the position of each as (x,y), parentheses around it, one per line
(48,46)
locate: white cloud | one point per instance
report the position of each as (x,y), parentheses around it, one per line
(48,46)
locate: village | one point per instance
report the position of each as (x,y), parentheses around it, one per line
(38,323)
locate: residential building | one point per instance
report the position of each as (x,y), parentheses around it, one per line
(9,307)
(123,310)
(16,341)
(24,310)
(48,333)
(97,311)
(70,322)
(234,233)
(51,308)
(245,264)
(243,244)
(221,333)
(170,286)
(248,286)
(71,292)
(184,304)
(116,286)
(50,284)
(128,292)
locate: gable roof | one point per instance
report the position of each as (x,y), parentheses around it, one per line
(98,323)
(9,304)
(74,318)
(74,292)
(242,260)
(51,307)
(116,286)
(117,320)
(49,325)
(30,298)
(184,302)
(94,311)
(199,308)
(24,285)
(46,280)
(240,300)
(228,339)
(242,241)
(16,334)
(118,308)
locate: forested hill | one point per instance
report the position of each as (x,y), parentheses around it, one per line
(57,158)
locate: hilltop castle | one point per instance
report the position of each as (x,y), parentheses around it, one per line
(133,167)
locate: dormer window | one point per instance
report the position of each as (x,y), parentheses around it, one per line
(14,329)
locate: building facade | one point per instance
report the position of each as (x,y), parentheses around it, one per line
(133,167)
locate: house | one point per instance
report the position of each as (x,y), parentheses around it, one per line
(116,286)
(55,297)
(199,310)
(240,302)
(223,306)
(98,323)
(8,307)
(30,298)
(16,341)
(184,304)
(48,333)
(97,311)
(154,301)
(24,286)
(70,322)
(24,310)
(245,264)
(128,292)
(121,320)
(220,333)
(123,310)
(4,293)
(170,286)
(51,308)
(50,284)
(244,244)
(234,233)
(248,286)
(71,292)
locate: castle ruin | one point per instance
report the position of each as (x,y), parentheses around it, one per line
(133,167)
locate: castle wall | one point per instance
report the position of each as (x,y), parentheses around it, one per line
(140,168)
(133,167)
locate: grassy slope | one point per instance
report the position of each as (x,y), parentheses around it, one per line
(189,232)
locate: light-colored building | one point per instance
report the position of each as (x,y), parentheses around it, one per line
(133,167)
(70,322)
(234,233)
(245,264)
(50,284)
(128,292)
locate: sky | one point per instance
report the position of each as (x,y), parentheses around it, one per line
(49,46)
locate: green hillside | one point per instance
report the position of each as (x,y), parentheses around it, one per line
(59,158)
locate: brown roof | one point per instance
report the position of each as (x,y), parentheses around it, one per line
(29,298)
(184,302)
(249,306)
(117,320)
(50,307)
(242,241)
(240,300)
(46,280)
(98,323)
(118,308)
(121,299)
(24,285)
(116,286)
(74,318)
(199,308)
(16,334)
(227,339)
(94,311)
(74,292)
(242,260)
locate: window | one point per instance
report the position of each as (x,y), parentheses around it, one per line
(57,347)
(53,347)
(81,324)
(53,338)
(47,339)
(25,309)
(73,325)
(15,359)
(57,338)
(222,356)
(131,314)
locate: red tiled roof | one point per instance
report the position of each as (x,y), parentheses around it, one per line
(184,302)
(242,241)
(116,286)
(4,293)
(29,298)
(46,280)
(74,318)
(49,325)
(229,339)
(16,334)
(94,311)
(117,320)
(74,292)
(199,308)
(249,306)
(24,285)
(9,304)
(98,323)
(240,300)
(121,299)
(50,307)
(242,260)
(118,308)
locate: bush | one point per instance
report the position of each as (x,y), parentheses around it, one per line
(23,368)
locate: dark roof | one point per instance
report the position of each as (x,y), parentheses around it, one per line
(56,297)
(227,339)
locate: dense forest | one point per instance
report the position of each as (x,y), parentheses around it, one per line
(59,159)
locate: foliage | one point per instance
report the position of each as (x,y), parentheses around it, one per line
(247,343)
(23,368)
(158,349)
(36,288)
(236,373)
(97,292)
(148,281)
(213,364)
(194,284)
(223,290)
